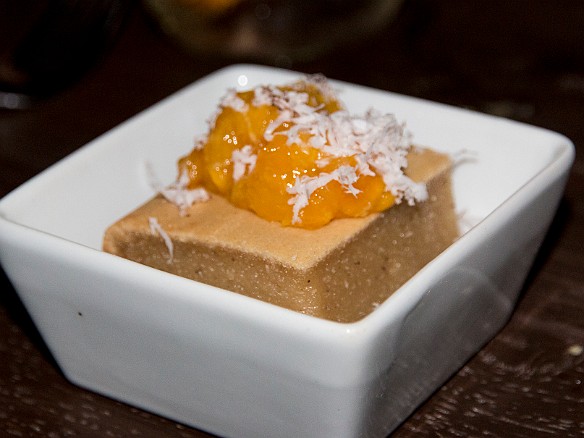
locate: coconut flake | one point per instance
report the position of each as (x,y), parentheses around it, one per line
(244,161)
(178,192)
(233,101)
(156,228)
(305,186)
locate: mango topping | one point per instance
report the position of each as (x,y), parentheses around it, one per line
(294,155)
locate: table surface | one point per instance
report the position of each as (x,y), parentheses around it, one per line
(520,60)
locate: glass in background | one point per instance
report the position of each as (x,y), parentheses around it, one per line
(276,32)
(45,45)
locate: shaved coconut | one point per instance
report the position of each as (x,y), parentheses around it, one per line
(155,228)
(244,161)
(178,192)
(375,141)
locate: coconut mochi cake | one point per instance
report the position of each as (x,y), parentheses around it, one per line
(264,205)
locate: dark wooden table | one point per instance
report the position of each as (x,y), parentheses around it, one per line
(523,60)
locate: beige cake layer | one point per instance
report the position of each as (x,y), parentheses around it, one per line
(340,272)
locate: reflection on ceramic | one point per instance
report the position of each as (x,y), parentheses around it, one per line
(236,366)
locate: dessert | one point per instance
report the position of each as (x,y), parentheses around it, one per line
(290,200)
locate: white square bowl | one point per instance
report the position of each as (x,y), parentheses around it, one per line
(236,366)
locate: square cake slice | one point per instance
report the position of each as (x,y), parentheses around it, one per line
(340,272)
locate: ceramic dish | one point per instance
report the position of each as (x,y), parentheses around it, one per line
(235,366)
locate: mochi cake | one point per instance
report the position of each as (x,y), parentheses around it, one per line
(291,200)
(341,271)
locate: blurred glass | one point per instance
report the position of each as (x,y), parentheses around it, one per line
(273,31)
(47,44)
